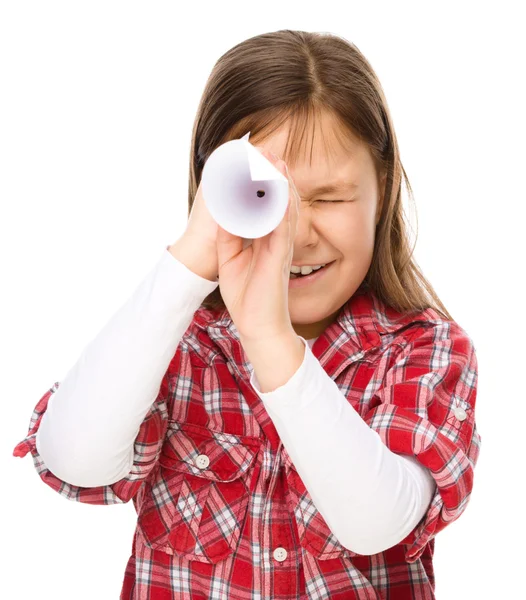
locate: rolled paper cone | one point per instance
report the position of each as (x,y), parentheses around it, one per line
(244,192)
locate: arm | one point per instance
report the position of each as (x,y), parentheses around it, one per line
(86,435)
(324,435)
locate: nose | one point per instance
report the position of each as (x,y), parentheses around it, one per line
(306,232)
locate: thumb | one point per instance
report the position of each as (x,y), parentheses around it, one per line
(228,246)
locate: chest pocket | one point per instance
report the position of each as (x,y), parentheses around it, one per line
(314,533)
(196,504)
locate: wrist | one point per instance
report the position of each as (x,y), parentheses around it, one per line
(269,340)
(275,360)
(193,257)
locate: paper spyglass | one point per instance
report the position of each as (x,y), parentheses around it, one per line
(243,190)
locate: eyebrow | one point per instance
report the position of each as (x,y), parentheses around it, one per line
(337,186)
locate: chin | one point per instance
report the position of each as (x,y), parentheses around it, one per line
(304,315)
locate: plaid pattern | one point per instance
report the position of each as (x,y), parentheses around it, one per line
(222,512)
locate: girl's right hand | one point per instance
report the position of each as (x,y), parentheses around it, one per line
(197,247)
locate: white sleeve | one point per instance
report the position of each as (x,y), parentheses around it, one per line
(370,497)
(86,436)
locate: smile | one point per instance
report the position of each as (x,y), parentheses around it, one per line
(311,278)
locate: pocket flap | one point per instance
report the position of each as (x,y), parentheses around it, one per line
(213,455)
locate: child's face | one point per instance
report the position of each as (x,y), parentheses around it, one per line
(330,231)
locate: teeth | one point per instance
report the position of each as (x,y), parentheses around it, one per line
(306,269)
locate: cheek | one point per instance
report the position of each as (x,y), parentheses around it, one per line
(350,231)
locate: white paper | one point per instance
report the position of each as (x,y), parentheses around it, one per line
(232,177)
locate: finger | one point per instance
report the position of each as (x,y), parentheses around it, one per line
(283,235)
(282,228)
(295,201)
(228,246)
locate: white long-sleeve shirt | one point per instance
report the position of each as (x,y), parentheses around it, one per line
(86,437)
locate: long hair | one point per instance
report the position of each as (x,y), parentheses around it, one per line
(287,75)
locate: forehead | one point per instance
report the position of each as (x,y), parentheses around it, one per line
(322,155)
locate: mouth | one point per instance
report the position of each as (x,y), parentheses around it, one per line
(301,280)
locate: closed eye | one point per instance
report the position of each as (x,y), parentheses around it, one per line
(330,200)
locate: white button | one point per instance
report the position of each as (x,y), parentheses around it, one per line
(280,554)
(460,413)
(202,461)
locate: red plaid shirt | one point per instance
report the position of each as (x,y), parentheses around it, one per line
(222,511)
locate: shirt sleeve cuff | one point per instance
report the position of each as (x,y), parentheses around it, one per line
(288,391)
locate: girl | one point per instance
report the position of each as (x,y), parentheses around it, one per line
(292,418)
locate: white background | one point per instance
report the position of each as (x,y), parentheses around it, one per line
(97,103)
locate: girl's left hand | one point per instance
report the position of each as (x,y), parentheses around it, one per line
(254,281)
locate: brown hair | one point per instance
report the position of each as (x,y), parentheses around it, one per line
(291,76)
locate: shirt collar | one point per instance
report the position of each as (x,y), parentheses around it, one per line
(363,325)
